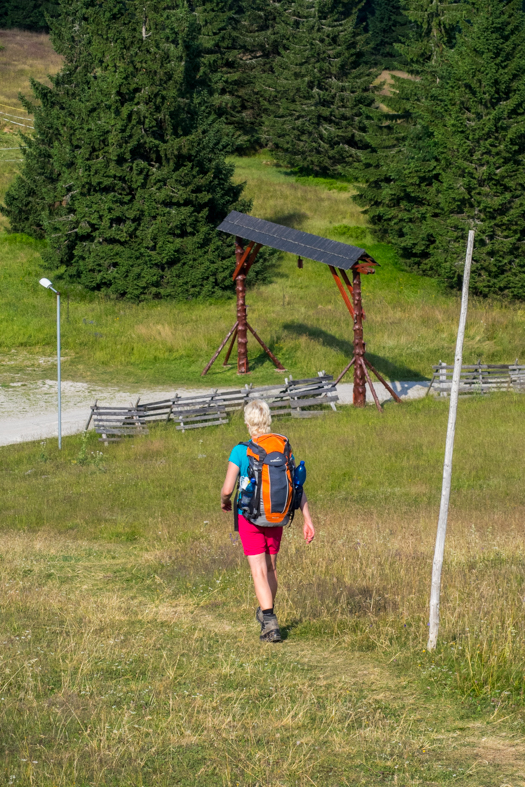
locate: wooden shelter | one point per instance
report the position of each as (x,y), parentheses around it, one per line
(340,258)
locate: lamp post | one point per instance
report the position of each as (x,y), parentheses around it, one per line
(47,284)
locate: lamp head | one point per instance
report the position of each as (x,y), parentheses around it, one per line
(48,285)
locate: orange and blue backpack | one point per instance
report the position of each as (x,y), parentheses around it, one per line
(272,467)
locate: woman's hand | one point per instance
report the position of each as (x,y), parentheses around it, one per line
(308,527)
(308,532)
(226,503)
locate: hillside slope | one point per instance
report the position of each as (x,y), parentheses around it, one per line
(410,324)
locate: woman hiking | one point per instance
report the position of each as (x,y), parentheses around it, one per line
(265,465)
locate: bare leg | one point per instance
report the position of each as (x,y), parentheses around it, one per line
(271,561)
(261,580)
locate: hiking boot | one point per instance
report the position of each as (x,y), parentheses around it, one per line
(270,629)
(259,617)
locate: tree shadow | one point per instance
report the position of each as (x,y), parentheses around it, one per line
(293,220)
(388,369)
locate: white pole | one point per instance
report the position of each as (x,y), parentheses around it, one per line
(449,451)
(59,375)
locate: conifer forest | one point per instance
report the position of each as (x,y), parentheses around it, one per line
(420,104)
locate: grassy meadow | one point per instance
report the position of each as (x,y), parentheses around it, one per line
(411,324)
(129,651)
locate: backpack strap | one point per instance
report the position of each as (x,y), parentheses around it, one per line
(236,509)
(258,450)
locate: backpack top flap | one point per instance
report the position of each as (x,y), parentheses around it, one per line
(271,457)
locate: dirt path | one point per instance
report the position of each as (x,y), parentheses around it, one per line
(28,411)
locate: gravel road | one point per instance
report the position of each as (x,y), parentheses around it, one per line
(28,411)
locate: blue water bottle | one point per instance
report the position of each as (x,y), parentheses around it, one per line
(300,474)
(246,495)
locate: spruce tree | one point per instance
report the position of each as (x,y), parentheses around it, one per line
(27,14)
(479,128)
(400,170)
(385,28)
(135,181)
(238,43)
(320,87)
(220,24)
(452,156)
(431,28)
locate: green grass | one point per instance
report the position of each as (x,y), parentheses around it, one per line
(411,324)
(129,653)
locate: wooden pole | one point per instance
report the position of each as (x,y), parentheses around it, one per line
(218,352)
(449,451)
(371,386)
(230,348)
(359,345)
(242,337)
(383,381)
(345,370)
(269,353)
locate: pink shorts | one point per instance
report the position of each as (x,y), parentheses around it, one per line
(258,540)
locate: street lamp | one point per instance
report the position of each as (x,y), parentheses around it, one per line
(47,284)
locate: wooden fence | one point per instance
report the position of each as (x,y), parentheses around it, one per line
(295,398)
(479,378)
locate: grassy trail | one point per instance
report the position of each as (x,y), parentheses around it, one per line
(112,678)
(129,651)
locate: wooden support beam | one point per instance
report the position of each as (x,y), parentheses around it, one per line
(266,349)
(342,290)
(251,258)
(347,281)
(230,348)
(241,260)
(371,385)
(345,370)
(384,382)
(217,353)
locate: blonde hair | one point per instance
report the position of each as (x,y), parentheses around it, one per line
(257,417)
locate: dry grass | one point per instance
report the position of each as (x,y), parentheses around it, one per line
(129,653)
(24,56)
(119,669)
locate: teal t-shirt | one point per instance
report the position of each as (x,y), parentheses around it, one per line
(239,457)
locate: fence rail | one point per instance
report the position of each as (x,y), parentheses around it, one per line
(295,398)
(479,378)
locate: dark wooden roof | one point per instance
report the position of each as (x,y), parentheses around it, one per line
(312,247)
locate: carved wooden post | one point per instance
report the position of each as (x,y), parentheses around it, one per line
(359,345)
(242,337)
